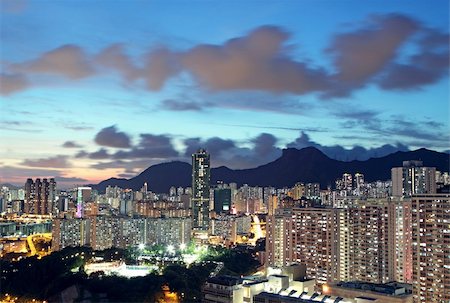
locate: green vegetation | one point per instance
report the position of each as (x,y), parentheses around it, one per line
(46,278)
(236,263)
(188,281)
(36,278)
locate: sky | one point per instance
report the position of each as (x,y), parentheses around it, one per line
(96,89)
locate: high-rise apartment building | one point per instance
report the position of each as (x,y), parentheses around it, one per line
(304,235)
(403,241)
(102,232)
(316,242)
(431,248)
(413,178)
(200,190)
(279,238)
(40,196)
(70,232)
(366,242)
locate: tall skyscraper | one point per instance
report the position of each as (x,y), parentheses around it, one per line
(30,195)
(413,178)
(40,196)
(431,248)
(200,189)
(83,196)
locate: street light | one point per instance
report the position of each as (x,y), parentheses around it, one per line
(141,246)
(182,246)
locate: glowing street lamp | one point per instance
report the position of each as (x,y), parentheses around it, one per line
(182,246)
(171,249)
(141,246)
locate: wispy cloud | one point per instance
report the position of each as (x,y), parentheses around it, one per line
(51,162)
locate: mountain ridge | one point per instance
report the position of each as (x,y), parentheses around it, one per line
(294,165)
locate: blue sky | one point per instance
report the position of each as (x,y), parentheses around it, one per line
(95,89)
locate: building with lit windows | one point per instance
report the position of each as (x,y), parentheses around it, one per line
(70,232)
(101,228)
(40,196)
(200,190)
(431,248)
(366,242)
(279,238)
(305,235)
(316,242)
(102,232)
(413,178)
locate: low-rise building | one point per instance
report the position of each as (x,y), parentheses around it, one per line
(392,292)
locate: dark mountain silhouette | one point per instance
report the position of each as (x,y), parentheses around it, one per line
(304,165)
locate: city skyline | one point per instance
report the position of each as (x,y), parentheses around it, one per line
(106,90)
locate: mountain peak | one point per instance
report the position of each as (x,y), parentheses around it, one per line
(306,151)
(305,165)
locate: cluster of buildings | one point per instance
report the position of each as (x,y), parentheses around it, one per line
(102,232)
(374,233)
(403,237)
(291,284)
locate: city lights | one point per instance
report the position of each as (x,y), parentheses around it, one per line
(224,151)
(171,249)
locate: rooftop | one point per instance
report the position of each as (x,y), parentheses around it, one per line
(225,280)
(392,289)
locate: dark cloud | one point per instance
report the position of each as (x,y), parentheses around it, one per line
(264,61)
(297,129)
(12,83)
(129,166)
(258,61)
(150,147)
(398,126)
(340,153)
(71,144)
(114,57)
(259,101)
(70,179)
(359,115)
(69,61)
(215,146)
(111,137)
(175,105)
(426,67)
(264,145)
(361,54)
(161,65)
(19,174)
(53,162)
(78,127)
(98,155)
(15,123)
(261,150)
